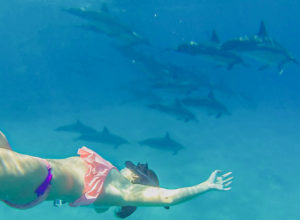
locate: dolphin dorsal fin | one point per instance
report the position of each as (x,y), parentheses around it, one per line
(262,30)
(105,130)
(167,136)
(214,37)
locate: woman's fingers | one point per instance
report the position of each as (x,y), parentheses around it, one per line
(228,179)
(221,182)
(227,184)
(226,174)
(226,189)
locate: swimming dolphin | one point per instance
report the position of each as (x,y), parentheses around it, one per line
(164,143)
(261,48)
(211,52)
(161,71)
(104,137)
(77,127)
(210,104)
(104,22)
(180,81)
(176,110)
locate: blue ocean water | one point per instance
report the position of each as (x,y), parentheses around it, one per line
(54,72)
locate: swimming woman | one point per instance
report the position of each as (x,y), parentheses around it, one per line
(87,180)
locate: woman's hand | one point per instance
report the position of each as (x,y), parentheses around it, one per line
(219,182)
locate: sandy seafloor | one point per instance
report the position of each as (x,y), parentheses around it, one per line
(52,74)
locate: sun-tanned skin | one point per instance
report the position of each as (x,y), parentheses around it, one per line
(21,174)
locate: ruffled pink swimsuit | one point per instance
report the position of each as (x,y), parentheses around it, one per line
(94,179)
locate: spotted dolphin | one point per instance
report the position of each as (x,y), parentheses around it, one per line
(104,22)
(262,48)
(209,104)
(211,52)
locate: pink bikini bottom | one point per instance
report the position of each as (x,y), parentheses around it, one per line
(94,179)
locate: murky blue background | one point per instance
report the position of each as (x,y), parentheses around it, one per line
(53,73)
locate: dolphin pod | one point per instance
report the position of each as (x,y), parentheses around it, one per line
(87,133)
(260,47)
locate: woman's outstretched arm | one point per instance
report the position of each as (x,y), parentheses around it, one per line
(119,191)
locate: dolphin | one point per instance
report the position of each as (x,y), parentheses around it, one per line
(210,104)
(164,143)
(176,81)
(77,127)
(162,71)
(104,137)
(211,52)
(262,48)
(176,110)
(165,77)
(104,22)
